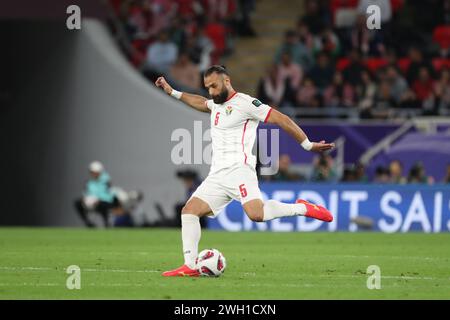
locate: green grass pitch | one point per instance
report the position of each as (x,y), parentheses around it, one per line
(127,264)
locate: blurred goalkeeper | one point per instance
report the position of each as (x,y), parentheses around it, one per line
(234,120)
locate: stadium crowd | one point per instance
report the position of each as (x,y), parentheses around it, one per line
(181,38)
(324,169)
(331,59)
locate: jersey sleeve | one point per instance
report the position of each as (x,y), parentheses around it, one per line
(208,104)
(257,110)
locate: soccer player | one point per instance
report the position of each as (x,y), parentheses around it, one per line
(234,120)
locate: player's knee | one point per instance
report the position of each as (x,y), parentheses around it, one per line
(186,209)
(256,216)
(190,209)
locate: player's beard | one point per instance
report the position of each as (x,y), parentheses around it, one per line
(221,97)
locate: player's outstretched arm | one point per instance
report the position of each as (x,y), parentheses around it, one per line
(288,125)
(195,101)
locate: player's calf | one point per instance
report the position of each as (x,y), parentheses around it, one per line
(254,210)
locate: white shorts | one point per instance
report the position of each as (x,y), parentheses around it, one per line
(237,183)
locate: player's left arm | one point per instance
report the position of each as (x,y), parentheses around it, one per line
(288,125)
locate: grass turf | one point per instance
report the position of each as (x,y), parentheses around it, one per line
(127,263)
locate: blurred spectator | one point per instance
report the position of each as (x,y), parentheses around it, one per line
(383,101)
(290,71)
(129,205)
(399,85)
(322,73)
(186,73)
(447,175)
(417,63)
(348,175)
(272,88)
(366,91)
(138,20)
(284,170)
(299,52)
(163,13)
(220,9)
(199,48)
(162,54)
(315,17)
(355,173)
(366,42)
(445,13)
(328,42)
(381,175)
(244,22)
(307,94)
(177,32)
(304,35)
(339,94)
(417,174)
(97,196)
(190,180)
(396,172)
(442,90)
(353,72)
(323,169)
(360,173)
(423,86)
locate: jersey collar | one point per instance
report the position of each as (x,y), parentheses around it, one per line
(231,97)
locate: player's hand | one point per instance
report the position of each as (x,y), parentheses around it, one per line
(322,146)
(162,83)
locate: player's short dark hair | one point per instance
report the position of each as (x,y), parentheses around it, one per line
(215,69)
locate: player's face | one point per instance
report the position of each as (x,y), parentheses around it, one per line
(216,86)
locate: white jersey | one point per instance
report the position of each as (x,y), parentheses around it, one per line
(233,130)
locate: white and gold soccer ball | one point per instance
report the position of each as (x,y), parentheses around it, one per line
(211,263)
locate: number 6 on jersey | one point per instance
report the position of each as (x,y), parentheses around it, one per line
(216,120)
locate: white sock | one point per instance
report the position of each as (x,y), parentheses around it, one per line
(274,209)
(190,235)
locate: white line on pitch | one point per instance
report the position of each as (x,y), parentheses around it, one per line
(83,269)
(245,273)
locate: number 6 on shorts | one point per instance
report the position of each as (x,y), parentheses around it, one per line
(243,190)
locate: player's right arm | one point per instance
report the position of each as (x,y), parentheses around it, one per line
(195,101)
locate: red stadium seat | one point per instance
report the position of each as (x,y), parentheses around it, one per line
(373,64)
(403,64)
(441,35)
(342,64)
(440,63)
(397,5)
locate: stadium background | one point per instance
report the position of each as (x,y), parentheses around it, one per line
(73,96)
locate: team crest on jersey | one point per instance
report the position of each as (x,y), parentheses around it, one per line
(257,103)
(229,110)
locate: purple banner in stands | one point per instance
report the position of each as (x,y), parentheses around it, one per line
(358,138)
(432,150)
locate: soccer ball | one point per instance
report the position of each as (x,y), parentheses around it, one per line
(211,263)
